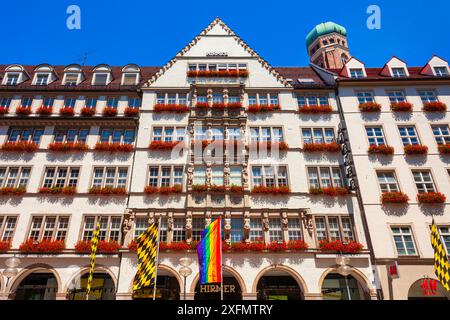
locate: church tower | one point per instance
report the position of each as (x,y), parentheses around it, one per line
(327,45)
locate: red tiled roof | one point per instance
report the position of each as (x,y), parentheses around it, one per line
(375,74)
(296,73)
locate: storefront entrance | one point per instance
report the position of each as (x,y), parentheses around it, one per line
(428,289)
(278,285)
(102,288)
(167,288)
(37,286)
(337,287)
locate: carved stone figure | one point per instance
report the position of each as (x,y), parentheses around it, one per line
(190,173)
(189,227)
(151,218)
(265,221)
(284,221)
(247,226)
(207,218)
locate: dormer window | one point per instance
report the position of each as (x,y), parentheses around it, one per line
(42,79)
(130,79)
(100,79)
(441,71)
(398,72)
(12,79)
(71,79)
(356,73)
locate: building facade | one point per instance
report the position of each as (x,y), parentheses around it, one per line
(216,132)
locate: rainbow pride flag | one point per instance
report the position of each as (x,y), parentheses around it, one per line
(209,252)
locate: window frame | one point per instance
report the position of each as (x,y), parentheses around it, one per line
(19,176)
(97,218)
(275,176)
(331,170)
(104,176)
(68,177)
(159,177)
(55,230)
(4,229)
(413,238)
(327,229)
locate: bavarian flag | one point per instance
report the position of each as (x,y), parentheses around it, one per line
(94,244)
(441,264)
(147,250)
(209,252)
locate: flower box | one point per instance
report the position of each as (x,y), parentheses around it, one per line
(44,246)
(132,246)
(434,106)
(87,112)
(269,145)
(341,247)
(254,108)
(4,111)
(217,73)
(219,105)
(108,191)
(329,191)
(199,187)
(382,149)
(271,190)
(68,191)
(315,109)
(401,106)
(444,148)
(297,245)
(109,112)
(234,105)
(20,146)
(103,247)
(113,147)
(163,190)
(5,246)
(217,189)
(12,191)
(131,112)
(68,146)
(250,246)
(276,246)
(177,108)
(202,105)
(23,111)
(369,107)
(236,189)
(174,246)
(321,147)
(415,149)
(67,112)
(163,145)
(431,197)
(44,111)
(394,197)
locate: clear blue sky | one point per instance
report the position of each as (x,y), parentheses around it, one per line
(150,32)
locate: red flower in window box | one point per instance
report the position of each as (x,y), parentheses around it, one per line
(109,112)
(106,191)
(217,73)
(83,246)
(263,108)
(174,246)
(163,145)
(104,247)
(13,191)
(67,146)
(444,148)
(219,105)
(113,147)
(434,106)
(68,191)
(87,112)
(382,149)
(320,147)
(394,197)
(151,190)
(163,190)
(199,187)
(401,106)
(216,188)
(4,110)
(431,197)
(131,112)
(276,246)
(45,246)
(20,146)
(271,190)
(132,246)
(415,149)
(44,111)
(269,145)
(315,109)
(335,191)
(315,191)
(23,111)
(5,246)
(339,246)
(234,105)
(202,105)
(178,108)
(297,245)
(236,189)
(68,111)
(369,107)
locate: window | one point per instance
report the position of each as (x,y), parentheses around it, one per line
(110,228)
(428,96)
(130,79)
(235,176)
(200,133)
(263,98)
(334,228)
(7,227)
(140,226)
(5,102)
(444,231)
(375,136)
(198,224)
(49,228)
(424,181)
(409,135)
(25,134)
(396,96)
(217,98)
(199,175)
(70,102)
(173,98)
(214,66)
(237,230)
(441,134)
(134,102)
(112,103)
(100,79)
(256,230)
(48,102)
(115,177)
(12,79)
(14,177)
(163,230)
(387,181)
(267,134)
(217,134)
(179,232)
(234,133)
(318,135)
(71,79)
(71,135)
(165,176)
(365,96)
(398,72)
(441,71)
(294,229)
(217,176)
(269,177)
(26,102)
(91,103)
(404,241)
(42,79)
(356,73)
(325,177)
(168,134)
(312,100)
(275,230)
(117,136)
(60,177)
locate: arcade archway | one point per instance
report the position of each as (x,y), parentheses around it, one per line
(428,289)
(167,287)
(38,285)
(338,287)
(278,284)
(102,287)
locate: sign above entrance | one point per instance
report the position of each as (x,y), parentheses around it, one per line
(217,54)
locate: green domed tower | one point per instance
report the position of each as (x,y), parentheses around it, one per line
(327,45)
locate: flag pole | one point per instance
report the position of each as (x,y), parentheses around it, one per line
(221,262)
(157,259)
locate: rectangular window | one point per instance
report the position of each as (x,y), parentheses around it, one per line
(365,96)
(356,73)
(256,230)
(387,181)
(140,226)
(49,228)
(441,71)
(325,177)
(71,79)
(404,241)
(115,177)
(198,224)
(237,230)
(70,135)
(91,103)
(441,134)
(179,232)
(396,96)
(217,176)
(334,228)
(163,230)
(5,102)
(424,181)
(318,135)
(125,136)
(14,177)
(110,228)
(375,136)
(12,79)
(112,103)
(444,231)
(199,175)
(175,98)
(60,177)
(294,229)
(100,79)
(70,102)
(235,176)
(312,100)
(7,227)
(409,135)
(275,230)
(398,72)
(48,102)
(428,96)
(269,177)
(134,103)
(26,102)
(234,133)
(130,79)
(42,79)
